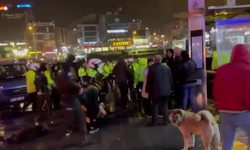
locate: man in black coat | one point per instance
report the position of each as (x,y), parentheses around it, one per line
(159,86)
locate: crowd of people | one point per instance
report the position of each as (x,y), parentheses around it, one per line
(159,84)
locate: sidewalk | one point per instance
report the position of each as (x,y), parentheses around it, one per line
(241,138)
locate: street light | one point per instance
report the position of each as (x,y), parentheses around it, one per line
(33,37)
(134,32)
(154,33)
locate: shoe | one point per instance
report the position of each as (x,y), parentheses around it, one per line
(160,116)
(148,116)
(93,130)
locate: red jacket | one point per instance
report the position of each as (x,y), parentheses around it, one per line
(231,87)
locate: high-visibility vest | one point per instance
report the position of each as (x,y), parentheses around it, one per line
(82,72)
(49,79)
(30,79)
(91,72)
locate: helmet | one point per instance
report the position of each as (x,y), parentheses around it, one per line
(34,66)
(130,60)
(93,63)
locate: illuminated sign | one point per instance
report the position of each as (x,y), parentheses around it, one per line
(24,6)
(120,43)
(5,8)
(13,16)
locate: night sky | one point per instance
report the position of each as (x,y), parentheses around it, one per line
(154,13)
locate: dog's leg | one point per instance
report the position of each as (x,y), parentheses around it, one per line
(206,142)
(186,138)
(192,141)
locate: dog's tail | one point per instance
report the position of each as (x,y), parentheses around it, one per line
(206,116)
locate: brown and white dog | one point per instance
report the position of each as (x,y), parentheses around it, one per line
(201,123)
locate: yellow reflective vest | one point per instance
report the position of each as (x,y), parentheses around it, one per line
(30,79)
(91,72)
(82,72)
(49,79)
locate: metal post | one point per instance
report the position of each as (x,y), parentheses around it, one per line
(196,27)
(34,43)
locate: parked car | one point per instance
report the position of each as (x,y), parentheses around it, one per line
(12,83)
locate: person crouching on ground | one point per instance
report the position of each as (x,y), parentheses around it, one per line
(231,91)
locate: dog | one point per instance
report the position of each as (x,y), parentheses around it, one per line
(201,123)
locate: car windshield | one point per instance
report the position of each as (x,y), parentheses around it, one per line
(12,71)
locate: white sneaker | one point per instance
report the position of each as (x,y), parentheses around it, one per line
(93,130)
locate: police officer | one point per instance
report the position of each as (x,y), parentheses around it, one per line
(139,77)
(31,87)
(92,101)
(70,92)
(82,73)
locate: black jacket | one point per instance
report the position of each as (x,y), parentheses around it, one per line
(91,96)
(159,81)
(122,72)
(66,81)
(41,82)
(188,72)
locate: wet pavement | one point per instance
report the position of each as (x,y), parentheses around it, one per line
(119,134)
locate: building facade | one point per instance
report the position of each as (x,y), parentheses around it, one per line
(114,29)
(62,36)
(88,34)
(42,37)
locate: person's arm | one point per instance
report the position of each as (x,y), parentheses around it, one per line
(149,80)
(171,79)
(246,89)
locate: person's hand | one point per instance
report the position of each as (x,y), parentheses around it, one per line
(39,93)
(81,91)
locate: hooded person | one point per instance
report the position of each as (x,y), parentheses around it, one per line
(122,74)
(139,78)
(231,92)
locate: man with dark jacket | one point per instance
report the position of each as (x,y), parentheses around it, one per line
(122,74)
(70,92)
(159,87)
(42,88)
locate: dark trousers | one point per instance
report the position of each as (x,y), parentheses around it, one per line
(147,107)
(45,97)
(123,87)
(31,99)
(72,113)
(177,95)
(157,103)
(55,97)
(92,112)
(139,97)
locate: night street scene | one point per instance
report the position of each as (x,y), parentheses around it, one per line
(125,75)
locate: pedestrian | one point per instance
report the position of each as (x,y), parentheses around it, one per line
(175,68)
(42,89)
(188,80)
(159,87)
(70,91)
(231,92)
(147,107)
(122,74)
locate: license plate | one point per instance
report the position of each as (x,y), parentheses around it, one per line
(16,99)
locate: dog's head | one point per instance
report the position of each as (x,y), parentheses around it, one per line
(176,116)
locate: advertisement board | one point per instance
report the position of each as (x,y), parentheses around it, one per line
(229,33)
